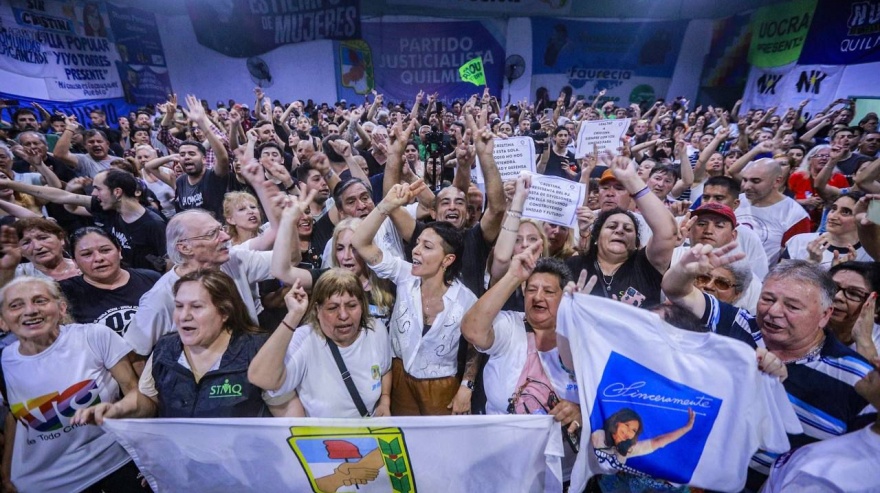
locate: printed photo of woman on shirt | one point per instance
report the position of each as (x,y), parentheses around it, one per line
(619,436)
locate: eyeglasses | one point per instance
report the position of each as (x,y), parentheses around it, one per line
(822,156)
(720,282)
(852,294)
(210,235)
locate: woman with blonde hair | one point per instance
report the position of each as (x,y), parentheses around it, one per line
(380,292)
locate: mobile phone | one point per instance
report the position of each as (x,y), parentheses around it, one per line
(874,212)
(573,439)
(548,112)
(12,102)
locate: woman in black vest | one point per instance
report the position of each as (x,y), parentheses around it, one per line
(218,342)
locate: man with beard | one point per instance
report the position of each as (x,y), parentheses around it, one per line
(115,206)
(198,187)
(97,157)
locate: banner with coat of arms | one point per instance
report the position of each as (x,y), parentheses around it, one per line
(392,455)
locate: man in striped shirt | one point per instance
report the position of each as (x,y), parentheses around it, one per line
(794,307)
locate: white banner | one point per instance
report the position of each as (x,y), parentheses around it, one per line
(389,455)
(554,200)
(602,135)
(786,86)
(65,43)
(512,156)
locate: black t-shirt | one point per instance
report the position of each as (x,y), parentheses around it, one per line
(207,194)
(554,165)
(143,241)
(636,282)
(476,251)
(322,232)
(114,308)
(850,165)
(373,166)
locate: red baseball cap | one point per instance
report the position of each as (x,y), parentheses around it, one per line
(716,208)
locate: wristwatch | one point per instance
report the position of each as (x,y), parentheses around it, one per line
(467,383)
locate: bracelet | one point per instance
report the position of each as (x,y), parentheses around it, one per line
(641,193)
(514,214)
(510,229)
(292,329)
(328,173)
(292,185)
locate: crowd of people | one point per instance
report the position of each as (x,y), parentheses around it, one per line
(340,260)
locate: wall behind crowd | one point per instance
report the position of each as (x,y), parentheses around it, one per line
(123,56)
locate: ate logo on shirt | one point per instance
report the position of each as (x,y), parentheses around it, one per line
(53,411)
(646,423)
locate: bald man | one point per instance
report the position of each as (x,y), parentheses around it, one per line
(774,217)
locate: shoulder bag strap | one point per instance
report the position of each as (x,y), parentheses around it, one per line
(346,378)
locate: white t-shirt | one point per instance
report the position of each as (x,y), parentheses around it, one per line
(773,224)
(313,374)
(507,357)
(749,243)
(628,361)
(797,249)
(434,355)
(846,464)
(45,390)
(154,317)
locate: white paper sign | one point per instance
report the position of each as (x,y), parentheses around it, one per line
(512,156)
(554,200)
(604,134)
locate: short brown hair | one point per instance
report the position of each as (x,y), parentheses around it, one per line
(337,281)
(49,226)
(225,296)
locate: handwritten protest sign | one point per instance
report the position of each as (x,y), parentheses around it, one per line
(512,156)
(554,200)
(604,134)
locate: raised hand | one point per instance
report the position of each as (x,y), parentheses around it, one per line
(194,109)
(582,285)
(701,259)
(342,147)
(296,299)
(10,252)
(522,264)
(400,194)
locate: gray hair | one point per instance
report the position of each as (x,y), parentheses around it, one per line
(176,230)
(38,135)
(805,164)
(6,150)
(51,286)
(802,271)
(742,275)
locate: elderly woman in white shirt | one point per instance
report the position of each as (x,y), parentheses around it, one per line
(426,321)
